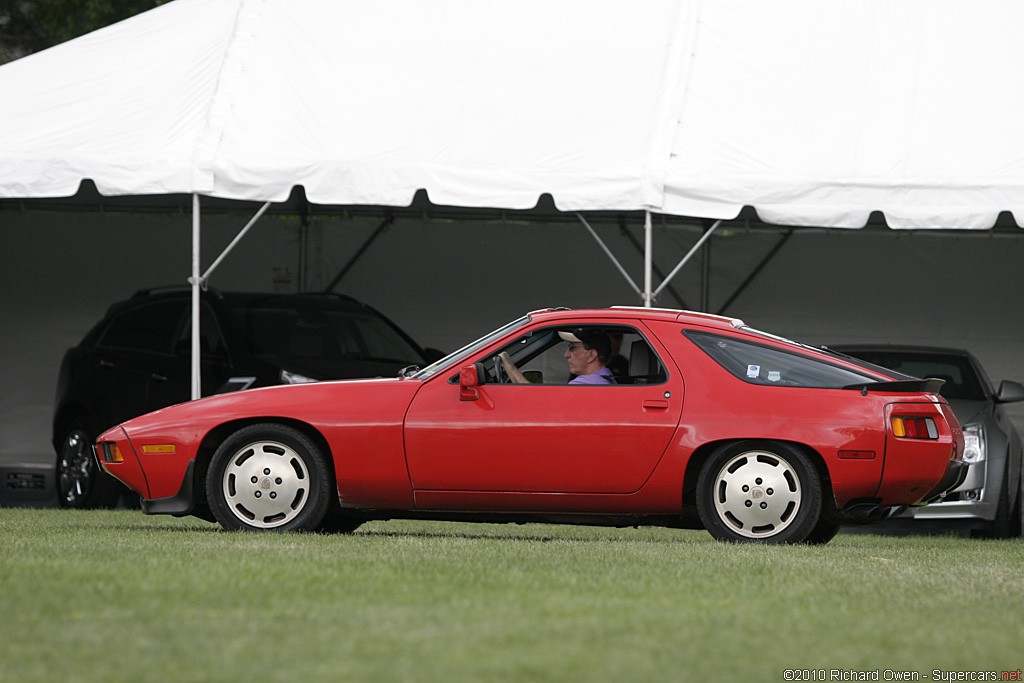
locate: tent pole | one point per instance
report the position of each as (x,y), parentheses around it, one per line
(655,270)
(649,260)
(693,250)
(608,251)
(196,282)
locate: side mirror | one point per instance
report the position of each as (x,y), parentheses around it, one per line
(1010,392)
(471,377)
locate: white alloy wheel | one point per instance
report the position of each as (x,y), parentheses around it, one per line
(269,477)
(757,494)
(266,484)
(763,492)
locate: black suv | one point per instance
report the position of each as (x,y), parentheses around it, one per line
(137,359)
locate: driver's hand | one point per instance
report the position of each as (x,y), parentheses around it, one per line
(511,370)
(506,361)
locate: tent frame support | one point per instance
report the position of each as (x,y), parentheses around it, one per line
(654,266)
(389,219)
(198,283)
(756,271)
(693,250)
(646,294)
(610,255)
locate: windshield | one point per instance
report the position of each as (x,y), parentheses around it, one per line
(469,349)
(311,332)
(956,370)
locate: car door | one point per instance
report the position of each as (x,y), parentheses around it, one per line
(132,350)
(548,437)
(170,381)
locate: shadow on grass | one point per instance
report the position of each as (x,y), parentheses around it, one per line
(685,536)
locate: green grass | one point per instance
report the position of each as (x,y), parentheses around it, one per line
(118,596)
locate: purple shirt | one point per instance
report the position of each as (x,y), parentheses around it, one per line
(602,376)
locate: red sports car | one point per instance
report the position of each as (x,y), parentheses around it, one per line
(622,416)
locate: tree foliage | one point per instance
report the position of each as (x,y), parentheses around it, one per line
(27,26)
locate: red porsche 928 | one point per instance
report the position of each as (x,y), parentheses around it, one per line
(621,416)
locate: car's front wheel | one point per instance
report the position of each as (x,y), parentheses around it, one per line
(81,482)
(763,492)
(269,477)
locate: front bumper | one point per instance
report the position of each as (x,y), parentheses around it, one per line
(975,499)
(181,504)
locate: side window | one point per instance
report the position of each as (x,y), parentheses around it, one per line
(544,357)
(757,364)
(211,340)
(149,328)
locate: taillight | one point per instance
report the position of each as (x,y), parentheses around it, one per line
(914,427)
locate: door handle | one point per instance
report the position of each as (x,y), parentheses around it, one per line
(158,377)
(106,364)
(656,405)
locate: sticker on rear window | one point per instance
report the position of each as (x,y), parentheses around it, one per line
(753,371)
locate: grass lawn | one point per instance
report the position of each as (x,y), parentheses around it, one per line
(119,596)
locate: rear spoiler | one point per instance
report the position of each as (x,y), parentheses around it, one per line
(906,386)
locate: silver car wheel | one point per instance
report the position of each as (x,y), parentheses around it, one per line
(266,484)
(757,494)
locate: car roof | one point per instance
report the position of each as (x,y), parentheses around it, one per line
(664,314)
(175,292)
(899,348)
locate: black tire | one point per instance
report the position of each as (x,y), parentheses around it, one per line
(1020,506)
(80,481)
(269,477)
(761,492)
(1006,523)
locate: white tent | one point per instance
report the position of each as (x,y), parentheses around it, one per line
(814,113)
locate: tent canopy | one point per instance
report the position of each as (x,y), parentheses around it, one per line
(812,113)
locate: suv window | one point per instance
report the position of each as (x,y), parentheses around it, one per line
(149,327)
(284,330)
(211,341)
(758,364)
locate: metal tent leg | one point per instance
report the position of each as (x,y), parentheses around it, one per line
(198,282)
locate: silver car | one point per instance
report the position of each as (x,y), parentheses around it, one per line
(989,501)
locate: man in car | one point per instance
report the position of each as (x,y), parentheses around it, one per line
(587,354)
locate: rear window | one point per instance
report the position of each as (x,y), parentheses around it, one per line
(760,364)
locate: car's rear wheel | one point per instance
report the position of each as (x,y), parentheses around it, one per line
(269,477)
(81,482)
(762,492)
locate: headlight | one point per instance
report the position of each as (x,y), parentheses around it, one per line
(295,378)
(974,443)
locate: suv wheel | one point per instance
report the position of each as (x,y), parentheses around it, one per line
(81,482)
